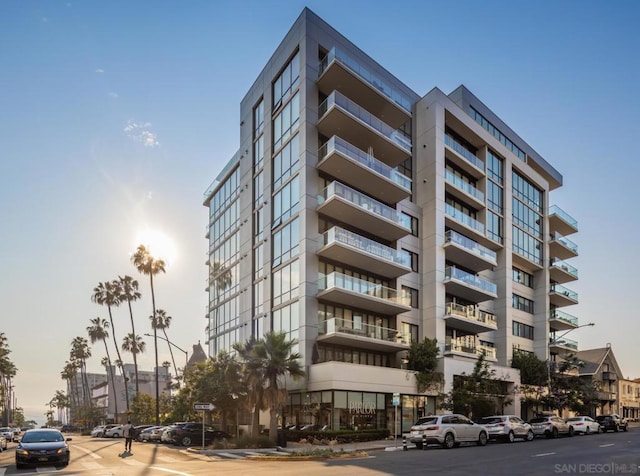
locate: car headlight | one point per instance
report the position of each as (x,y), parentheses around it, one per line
(62,450)
(22,452)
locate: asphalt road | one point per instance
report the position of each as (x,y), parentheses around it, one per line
(610,453)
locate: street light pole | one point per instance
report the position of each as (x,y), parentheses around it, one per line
(186,354)
(555,340)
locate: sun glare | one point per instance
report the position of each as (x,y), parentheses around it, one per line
(159,244)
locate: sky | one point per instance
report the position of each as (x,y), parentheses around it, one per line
(115,117)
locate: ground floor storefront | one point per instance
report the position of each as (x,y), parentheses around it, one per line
(349,410)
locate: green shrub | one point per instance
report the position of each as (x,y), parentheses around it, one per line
(261,441)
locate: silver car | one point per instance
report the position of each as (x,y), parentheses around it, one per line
(507,428)
(584,424)
(551,426)
(447,430)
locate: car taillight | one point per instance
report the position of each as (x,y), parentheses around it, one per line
(578,424)
(500,424)
(432,428)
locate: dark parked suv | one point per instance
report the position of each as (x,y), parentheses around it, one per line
(612,422)
(187,434)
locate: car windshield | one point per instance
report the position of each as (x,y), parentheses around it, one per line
(42,437)
(538,420)
(574,419)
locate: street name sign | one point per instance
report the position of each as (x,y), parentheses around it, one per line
(203,406)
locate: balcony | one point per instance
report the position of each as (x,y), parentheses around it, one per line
(562,321)
(466,225)
(562,272)
(462,190)
(359,378)
(463,157)
(610,376)
(607,396)
(353,166)
(562,247)
(360,294)
(562,345)
(469,318)
(468,286)
(343,246)
(468,253)
(355,334)
(561,296)
(561,221)
(347,205)
(340,116)
(339,71)
(467,346)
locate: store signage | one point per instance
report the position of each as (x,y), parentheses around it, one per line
(360,408)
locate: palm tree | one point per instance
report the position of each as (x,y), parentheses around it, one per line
(99,331)
(69,373)
(145,263)
(162,321)
(80,352)
(252,381)
(274,353)
(106,294)
(128,290)
(134,344)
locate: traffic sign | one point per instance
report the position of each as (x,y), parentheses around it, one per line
(396,399)
(203,406)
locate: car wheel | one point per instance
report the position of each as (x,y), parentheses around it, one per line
(482,439)
(588,430)
(449,441)
(624,428)
(530,435)
(571,431)
(554,432)
(616,429)
(116,435)
(186,441)
(419,446)
(511,437)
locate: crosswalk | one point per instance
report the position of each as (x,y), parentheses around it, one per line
(244,454)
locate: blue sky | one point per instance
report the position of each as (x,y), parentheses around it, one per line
(116,116)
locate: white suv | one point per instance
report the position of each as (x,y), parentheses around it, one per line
(447,430)
(507,428)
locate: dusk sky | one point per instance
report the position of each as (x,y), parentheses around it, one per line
(116,116)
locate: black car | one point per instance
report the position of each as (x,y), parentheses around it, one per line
(42,446)
(612,422)
(187,434)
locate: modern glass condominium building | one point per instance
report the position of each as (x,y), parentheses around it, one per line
(358,216)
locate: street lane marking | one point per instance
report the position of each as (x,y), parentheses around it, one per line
(543,454)
(133,462)
(170,471)
(89,452)
(168,459)
(92,465)
(608,444)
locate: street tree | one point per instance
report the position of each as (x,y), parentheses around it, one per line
(128,291)
(99,331)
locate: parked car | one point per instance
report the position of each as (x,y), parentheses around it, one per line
(97,431)
(69,428)
(3,443)
(139,429)
(42,446)
(612,422)
(507,428)
(551,426)
(7,433)
(187,434)
(16,433)
(584,424)
(145,435)
(156,433)
(447,430)
(113,432)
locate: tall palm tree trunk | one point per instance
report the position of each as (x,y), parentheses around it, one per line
(113,382)
(155,346)
(175,369)
(135,357)
(115,343)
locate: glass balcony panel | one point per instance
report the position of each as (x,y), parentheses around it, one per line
(563,316)
(464,152)
(558,288)
(363,158)
(464,186)
(452,236)
(564,342)
(365,202)
(340,235)
(556,263)
(464,218)
(556,210)
(368,76)
(565,242)
(451,272)
(360,329)
(470,312)
(337,99)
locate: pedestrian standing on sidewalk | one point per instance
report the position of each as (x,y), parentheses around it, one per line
(128,432)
